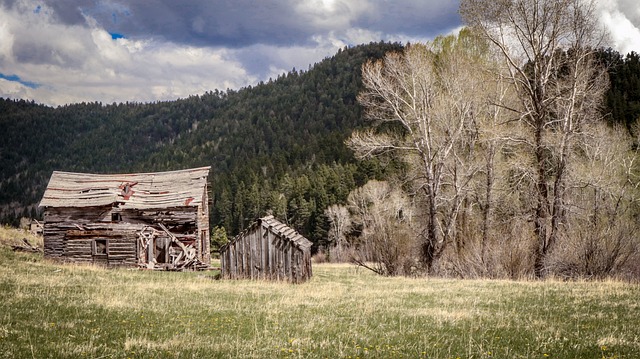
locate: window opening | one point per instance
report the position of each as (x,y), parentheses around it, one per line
(100,247)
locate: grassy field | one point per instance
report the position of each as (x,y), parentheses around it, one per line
(63,311)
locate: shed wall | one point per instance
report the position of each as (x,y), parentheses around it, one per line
(262,254)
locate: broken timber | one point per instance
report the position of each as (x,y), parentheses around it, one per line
(26,247)
(149,220)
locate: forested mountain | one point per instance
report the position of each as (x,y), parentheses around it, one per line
(277,146)
(623,98)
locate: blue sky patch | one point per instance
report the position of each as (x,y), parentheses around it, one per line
(116,36)
(16,78)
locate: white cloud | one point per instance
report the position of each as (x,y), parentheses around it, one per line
(6,44)
(83,63)
(14,89)
(168,53)
(332,14)
(622,19)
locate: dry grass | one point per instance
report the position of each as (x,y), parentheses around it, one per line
(12,236)
(51,310)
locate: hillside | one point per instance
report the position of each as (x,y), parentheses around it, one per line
(280,140)
(277,146)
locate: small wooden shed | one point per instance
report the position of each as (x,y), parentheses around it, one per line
(268,249)
(155,220)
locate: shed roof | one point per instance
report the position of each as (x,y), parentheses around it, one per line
(132,191)
(282,230)
(278,228)
(285,231)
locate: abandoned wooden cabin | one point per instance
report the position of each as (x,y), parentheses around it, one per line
(153,220)
(268,249)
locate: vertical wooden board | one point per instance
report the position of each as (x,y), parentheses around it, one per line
(137,249)
(275,255)
(239,258)
(276,258)
(295,266)
(206,243)
(150,251)
(242,260)
(231,259)
(281,269)
(264,261)
(222,265)
(240,254)
(223,262)
(271,252)
(258,253)
(199,235)
(257,259)
(252,254)
(303,266)
(293,277)
(292,259)
(233,266)
(287,260)
(227,260)
(247,257)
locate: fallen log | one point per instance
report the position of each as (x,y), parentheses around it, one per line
(26,247)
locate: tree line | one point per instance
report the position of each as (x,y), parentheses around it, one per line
(511,168)
(467,199)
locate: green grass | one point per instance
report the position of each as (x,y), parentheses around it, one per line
(62,311)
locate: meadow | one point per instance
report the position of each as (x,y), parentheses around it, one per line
(50,310)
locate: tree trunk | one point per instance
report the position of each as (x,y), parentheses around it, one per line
(429,247)
(488,206)
(542,205)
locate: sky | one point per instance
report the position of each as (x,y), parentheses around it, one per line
(58,52)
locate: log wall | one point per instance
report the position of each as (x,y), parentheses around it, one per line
(71,234)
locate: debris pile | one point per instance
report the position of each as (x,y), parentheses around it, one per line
(181,257)
(26,247)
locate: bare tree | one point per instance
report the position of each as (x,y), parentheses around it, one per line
(424,102)
(548,47)
(340,224)
(603,233)
(384,215)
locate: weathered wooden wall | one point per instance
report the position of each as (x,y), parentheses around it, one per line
(260,253)
(121,248)
(70,233)
(203,245)
(132,212)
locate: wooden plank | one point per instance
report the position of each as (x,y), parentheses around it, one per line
(255,254)
(246,269)
(72,234)
(264,254)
